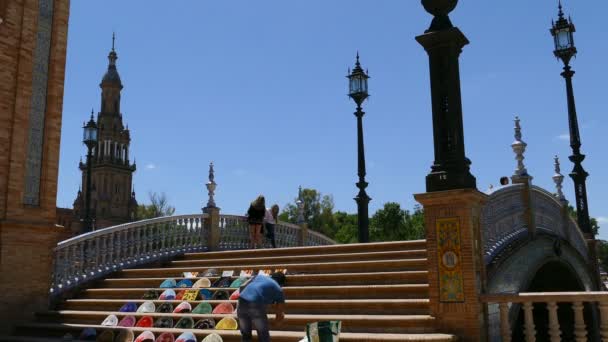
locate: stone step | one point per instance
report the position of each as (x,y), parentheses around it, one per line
(312,268)
(372,278)
(312,250)
(49,330)
(293,306)
(292,292)
(350,323)
(300,259)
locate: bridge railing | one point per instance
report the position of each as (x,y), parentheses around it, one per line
(551,300)
(234,234)
(91,255)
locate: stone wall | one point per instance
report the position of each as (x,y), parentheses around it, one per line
(33,40)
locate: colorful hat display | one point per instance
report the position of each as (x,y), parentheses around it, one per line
(227,323)
(185,323)
(183,307)
(110,321)
(203,308)
(235,295)
(167,295)
(212,272)
(127,322)
(205,294)
(128,307)
(106,336)
(165,337)
(186,337)
(88,334)
(213,338)
(222,282)
(168,284)
(238,282)
(164,322)
(165,308)
(221,295)
(146,336)
(125,335)
(206,323)
(145,322)
(201,283)
(223,308)
(147,306)
(180,295)
(151,295)
(185,283)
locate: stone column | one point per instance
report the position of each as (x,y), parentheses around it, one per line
(455,261)
(33,37)
(213,223)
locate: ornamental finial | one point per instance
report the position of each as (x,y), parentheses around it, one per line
(211,185)
(300,205)
(519,148)
(558,178)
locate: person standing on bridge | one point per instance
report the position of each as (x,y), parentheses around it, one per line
(270,220)
(255,295)
(255,218)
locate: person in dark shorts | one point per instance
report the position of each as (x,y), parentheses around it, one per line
(255,295)
(255,218)
(270,220)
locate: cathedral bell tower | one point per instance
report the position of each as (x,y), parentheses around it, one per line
(112,195)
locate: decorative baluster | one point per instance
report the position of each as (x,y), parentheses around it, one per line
(505,328)
(97,264)
(554,331)
(580,331)
(73,262)
(150,239)
(118,248)
(199,232)
(155,234)
(137,243)
(81,260)
(104,251)
(133,256)
(529,323)
(604,320)
(111,251)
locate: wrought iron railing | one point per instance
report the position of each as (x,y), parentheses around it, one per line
(92,255)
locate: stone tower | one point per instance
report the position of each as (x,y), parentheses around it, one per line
(112,194)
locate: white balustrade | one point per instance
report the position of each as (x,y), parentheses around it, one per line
(552,300)
(97,253)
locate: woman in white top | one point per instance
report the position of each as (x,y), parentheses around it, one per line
(270,219)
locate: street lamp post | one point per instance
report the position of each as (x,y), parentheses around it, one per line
(563,34)
(358,92)
(90,140)
(563,37)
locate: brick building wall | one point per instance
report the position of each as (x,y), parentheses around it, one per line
(33,39)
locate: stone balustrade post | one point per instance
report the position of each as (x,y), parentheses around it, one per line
(212,227)
(456,271)
(303,234)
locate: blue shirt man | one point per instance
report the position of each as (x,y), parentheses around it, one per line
(255,295)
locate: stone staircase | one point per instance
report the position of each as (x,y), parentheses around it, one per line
(379,291)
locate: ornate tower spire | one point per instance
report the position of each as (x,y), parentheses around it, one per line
(300,205)
(558,178)
(211,185)
(519,148)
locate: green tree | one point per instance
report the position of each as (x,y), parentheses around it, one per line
(595,227)
(391,223)
(318,211)
(346,230)
(159,206)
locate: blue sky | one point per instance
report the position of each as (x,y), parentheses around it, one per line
(258,88)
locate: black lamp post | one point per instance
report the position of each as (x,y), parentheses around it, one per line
(563,34)
(357,80)
(89,139)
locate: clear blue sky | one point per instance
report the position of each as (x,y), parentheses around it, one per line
(258,87)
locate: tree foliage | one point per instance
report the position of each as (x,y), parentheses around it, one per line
(390,223)
(595,227)
(159,206)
